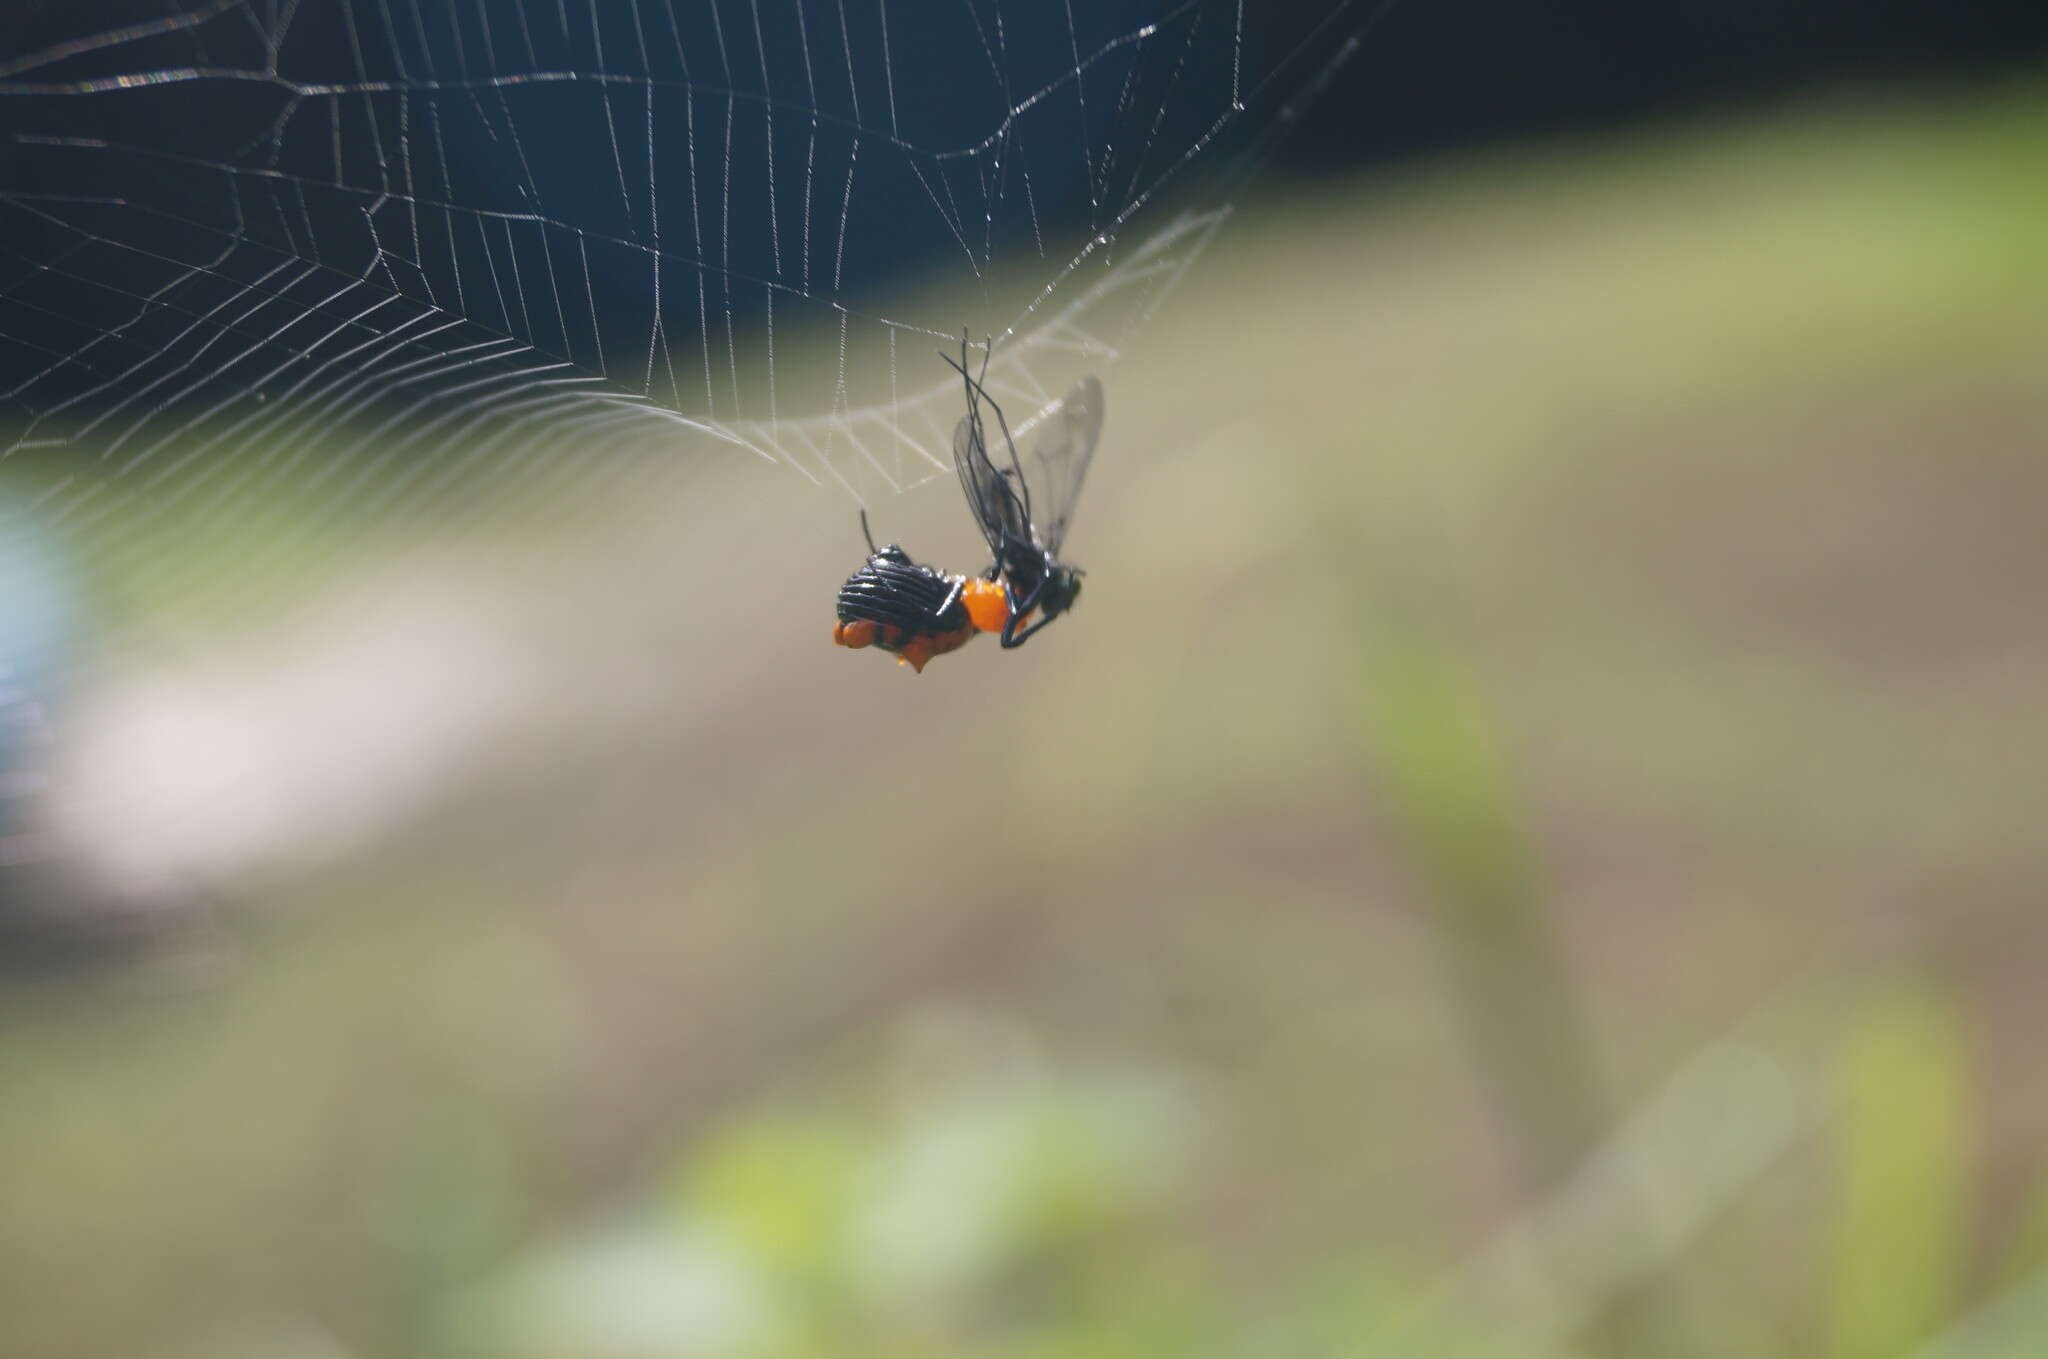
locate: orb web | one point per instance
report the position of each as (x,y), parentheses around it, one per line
(388,248)
(278,274)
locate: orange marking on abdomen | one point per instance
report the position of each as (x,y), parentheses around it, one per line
(988,604)
(921,648)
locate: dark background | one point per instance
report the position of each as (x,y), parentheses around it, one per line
(1435,76)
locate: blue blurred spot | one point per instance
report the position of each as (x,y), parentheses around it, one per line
(39,624)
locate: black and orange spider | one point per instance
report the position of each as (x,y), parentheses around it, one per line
(918,611)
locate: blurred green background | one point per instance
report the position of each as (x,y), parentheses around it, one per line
(1531,845)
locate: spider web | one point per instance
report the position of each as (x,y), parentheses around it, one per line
(391,247)
(277,268)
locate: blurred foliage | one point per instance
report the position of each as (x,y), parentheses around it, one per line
(1902,1248)
(996,1208)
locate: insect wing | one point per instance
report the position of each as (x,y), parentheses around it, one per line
(1061,457)
(997,506)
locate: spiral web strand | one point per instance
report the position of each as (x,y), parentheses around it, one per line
(386,248)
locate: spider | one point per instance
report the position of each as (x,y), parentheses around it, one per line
(919,611)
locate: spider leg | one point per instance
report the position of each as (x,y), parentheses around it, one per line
(1019,609)
(1015,471)
(1012,642)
